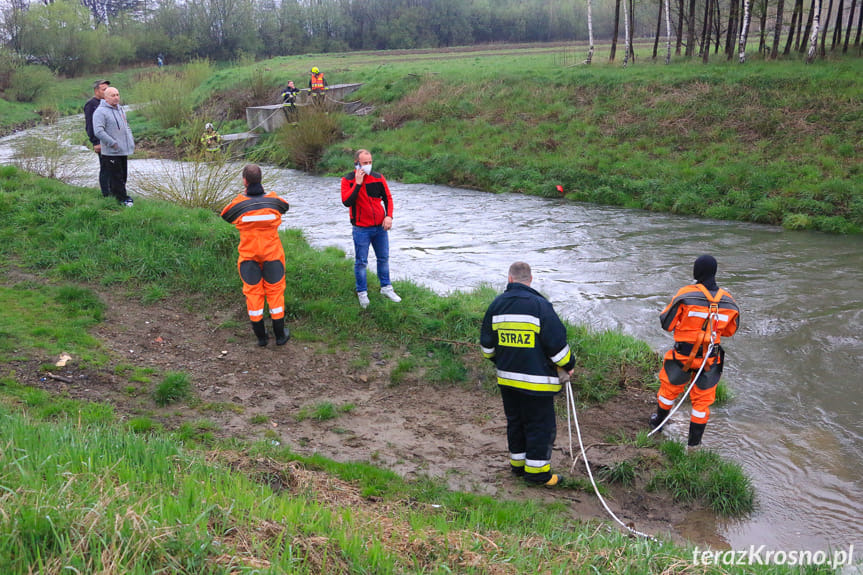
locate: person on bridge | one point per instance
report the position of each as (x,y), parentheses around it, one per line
(317,86)
(289,95)
(700,314)
(526,340)
(368,196)
(210,139)
(261,261)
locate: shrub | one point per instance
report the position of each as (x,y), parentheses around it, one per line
(29,82)
(306,141)
(174,387)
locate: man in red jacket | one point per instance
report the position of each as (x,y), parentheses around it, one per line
(368,196)
(262,258)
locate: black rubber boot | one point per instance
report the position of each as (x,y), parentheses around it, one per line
(658,417)
(260,332)
(696,430)
(282,333)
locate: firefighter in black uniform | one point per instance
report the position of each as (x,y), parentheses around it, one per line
(524,337)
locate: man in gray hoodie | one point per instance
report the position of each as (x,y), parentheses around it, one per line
(117,143)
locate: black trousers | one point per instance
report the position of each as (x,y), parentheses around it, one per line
(531,428)
(117,171)
(104,178)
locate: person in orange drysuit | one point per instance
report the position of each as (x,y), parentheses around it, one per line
(699,314)
(262,258)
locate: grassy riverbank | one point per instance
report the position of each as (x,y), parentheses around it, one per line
(93,481)
(771,142)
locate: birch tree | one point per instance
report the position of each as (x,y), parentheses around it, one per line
(589,32)
(625,33)
(744,30)
(668,32)
(813,38)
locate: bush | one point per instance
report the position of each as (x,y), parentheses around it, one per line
(304,142)
(9,62)
(29,82)
(174,387)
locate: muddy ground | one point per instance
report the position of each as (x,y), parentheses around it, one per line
(414,429)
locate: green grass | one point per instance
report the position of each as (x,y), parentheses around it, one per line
(95,498)
(703,476)
(176,386)
(323,411)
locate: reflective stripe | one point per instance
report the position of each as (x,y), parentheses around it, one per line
(515,321)
(703,315)
(664,401)
(276,310)
(562,354)
(696,413)
(261,218)
(488,350)
(537,466)
(517,456)
(256,312)
(550,387)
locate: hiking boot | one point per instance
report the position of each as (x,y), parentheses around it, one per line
(363,296)
(128,202)
(517,471)
(389,292)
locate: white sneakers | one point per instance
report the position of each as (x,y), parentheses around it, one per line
(389,292)
(386,291)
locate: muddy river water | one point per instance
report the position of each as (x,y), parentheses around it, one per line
(794,366)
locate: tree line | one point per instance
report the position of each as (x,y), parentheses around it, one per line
(75,36)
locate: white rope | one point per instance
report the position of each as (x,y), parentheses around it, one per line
(688,389)
(279,110)
(570,400)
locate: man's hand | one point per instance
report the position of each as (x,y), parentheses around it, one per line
(358,176)
(388,223)
(97,148)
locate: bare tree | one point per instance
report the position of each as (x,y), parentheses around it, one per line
(850,26)
(681,16)
(796,14)
(731,33)
(690,33)
(837,29)
(658,27)
(616,31)
(777,32)
(826,25)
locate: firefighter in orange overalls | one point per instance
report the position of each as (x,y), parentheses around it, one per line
(262,258)
(699,314)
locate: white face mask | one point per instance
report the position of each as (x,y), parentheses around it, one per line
(367,169)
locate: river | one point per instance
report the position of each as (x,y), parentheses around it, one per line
(794,421)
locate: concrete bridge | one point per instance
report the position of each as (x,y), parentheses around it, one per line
(270,118)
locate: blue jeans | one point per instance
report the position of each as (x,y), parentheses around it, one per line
(379,239)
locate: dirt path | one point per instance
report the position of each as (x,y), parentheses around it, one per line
(411,428)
